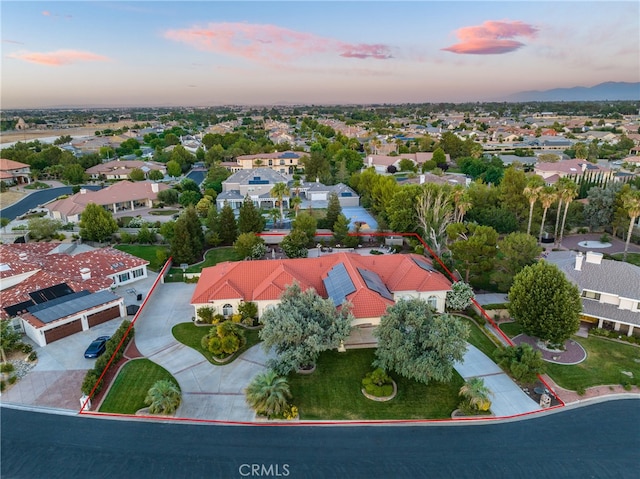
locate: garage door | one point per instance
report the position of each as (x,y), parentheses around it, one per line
(103,316)
(62,331)
(318,196)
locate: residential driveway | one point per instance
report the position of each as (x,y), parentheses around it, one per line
(208,391)
(57,377)
(507,398)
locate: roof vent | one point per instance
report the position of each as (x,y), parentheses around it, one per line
(85,273)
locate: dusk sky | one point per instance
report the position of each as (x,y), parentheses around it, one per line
(162,53)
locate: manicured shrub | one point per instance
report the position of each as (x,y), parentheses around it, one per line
(6,368)
(522,361)
(13,379)
(32,356)
(377,383)
(26,348)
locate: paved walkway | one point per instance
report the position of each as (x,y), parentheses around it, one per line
(572,242)
(208,391)
(507,398)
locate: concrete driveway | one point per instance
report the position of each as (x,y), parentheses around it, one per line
(208,391)
(507,398)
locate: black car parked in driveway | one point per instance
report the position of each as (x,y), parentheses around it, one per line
(96,348)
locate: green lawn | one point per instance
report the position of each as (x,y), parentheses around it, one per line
(633,258)
(163,212)
(604,365)
(147,252)
(212,257)
(478,338)
(511,329)
(129,390)
(190,335)
(333,392)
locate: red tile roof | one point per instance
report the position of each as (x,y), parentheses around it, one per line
(6,165)
(49,267)
(267,279)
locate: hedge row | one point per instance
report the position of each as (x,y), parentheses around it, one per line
(92,376)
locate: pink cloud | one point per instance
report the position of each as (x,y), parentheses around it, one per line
(58,58)
(266,43)
(492,37)
(46,13)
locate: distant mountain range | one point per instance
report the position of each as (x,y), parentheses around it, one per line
(613,91)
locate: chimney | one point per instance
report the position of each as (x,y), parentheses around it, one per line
(22,256)
(85,273)
(593,257)
(579,259)
(83,191)
(584,167)
(154,187)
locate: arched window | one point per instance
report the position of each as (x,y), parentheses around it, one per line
(227,310)
(433,302)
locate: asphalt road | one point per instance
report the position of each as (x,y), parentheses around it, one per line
(40,197)
(597,441)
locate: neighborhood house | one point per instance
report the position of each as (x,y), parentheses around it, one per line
(50,290)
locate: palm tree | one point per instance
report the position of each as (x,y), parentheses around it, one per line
(631,203)
(279,191)
(547,196)
(561,185)
(476,394)
(268,393)
(462,203)
(569,192)
(531,192)
(295,204)
(163,398)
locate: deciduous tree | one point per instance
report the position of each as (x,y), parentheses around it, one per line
(418,344)
(545,303)
(97,224)
(301,327)
(515,251)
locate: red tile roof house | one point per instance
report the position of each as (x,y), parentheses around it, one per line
(121,169)
(14,172)
(122,196)
(51,293)
(369,283)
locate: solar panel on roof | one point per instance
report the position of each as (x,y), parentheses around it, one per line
(67,308)
(374,282)
(56,301)
(52,292)
(17,308)
(338,284)
(424,265)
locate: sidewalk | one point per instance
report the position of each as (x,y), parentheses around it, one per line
(507,399)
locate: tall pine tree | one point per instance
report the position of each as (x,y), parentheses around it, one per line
(228,228)
(188,238)
(333,210)
(250,220)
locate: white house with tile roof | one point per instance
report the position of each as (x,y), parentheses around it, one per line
(53,290)
(610,289)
